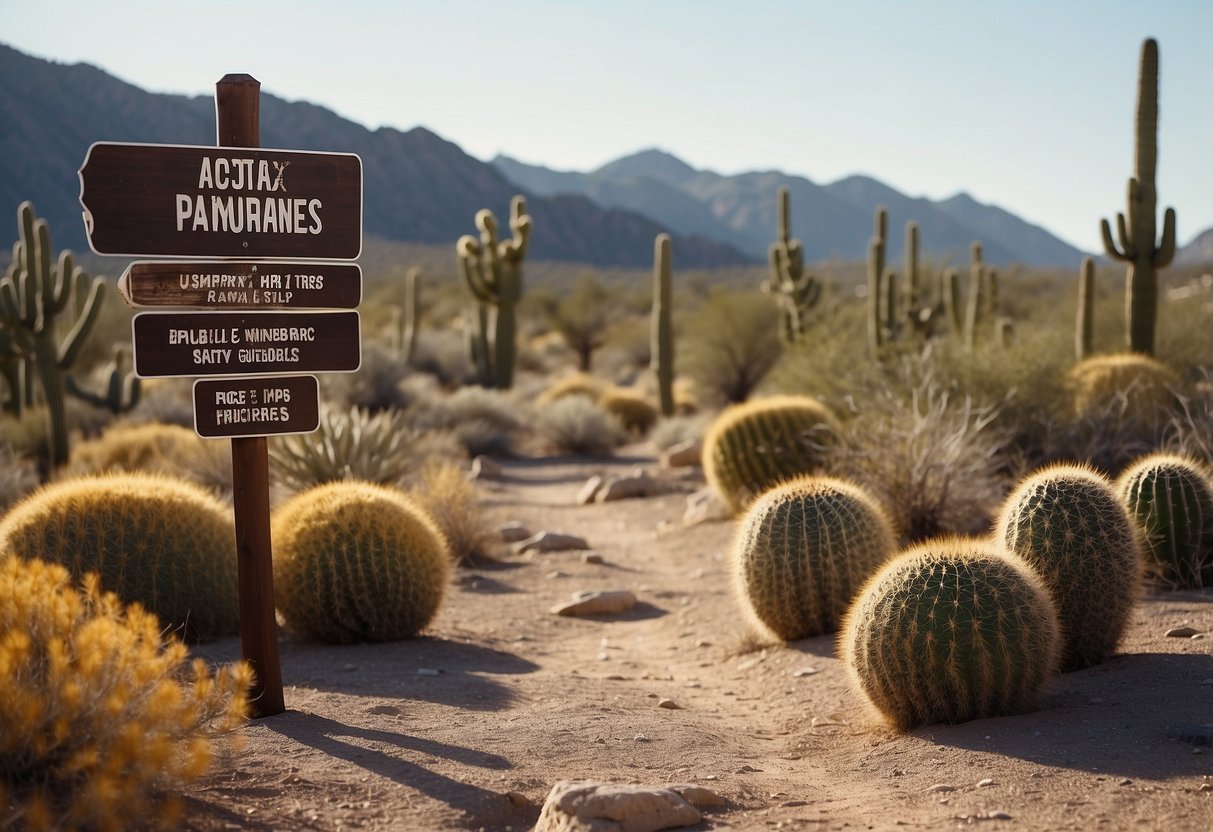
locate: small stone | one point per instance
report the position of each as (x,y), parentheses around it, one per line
(585,805)
(985,781)
(747,768)
(588,492)
(697,796)
(597,603)
(1181,632)
(630,487)
(940,788)
(640,738)
(556,573)
(703,642)
(486,468)
(384,710)
(997,815)
(592,557)
(548,541)
(518,800)
(1125,782)
(805,671)
(513,532)
(685,454)
(669,704)
(1206,787)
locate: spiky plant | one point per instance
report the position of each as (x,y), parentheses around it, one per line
(105,720)
(804,549)
(754,446)
(1171,499)
(1067,521)
(451,500)
(153,539)
(357,562)
(951,630)
(636,413)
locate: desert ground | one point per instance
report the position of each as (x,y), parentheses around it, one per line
(471,725)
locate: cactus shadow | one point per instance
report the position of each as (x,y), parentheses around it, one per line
(1125,718)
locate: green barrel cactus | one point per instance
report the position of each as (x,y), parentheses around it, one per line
(804,549)
(156,540)
(951,630)
(357,562)
(1068,523)
(756,445)
(1171,499)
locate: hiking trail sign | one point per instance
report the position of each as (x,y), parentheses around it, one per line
(226,284)
(165,200)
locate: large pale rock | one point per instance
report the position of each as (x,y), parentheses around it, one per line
(548,541)
(586,806)
(597,603)
(486,468)
(590,490)
(683,455)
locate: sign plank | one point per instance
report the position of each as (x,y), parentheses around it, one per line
(194,201)
(177,344)
(269,406)
(226,284)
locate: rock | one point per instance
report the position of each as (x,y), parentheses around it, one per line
(486,468)
(669,704)
(805,671)
(697,796)
(1181,632)
(597,603)
(592,557)
(590,490)
(940,787)
(634,485)
(683,455)
(513,532)
(587,806)
(703,506)
(518,800)
(551,542)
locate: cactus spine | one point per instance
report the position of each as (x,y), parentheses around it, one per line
(1068,523)
(1171,499)
(1136,234)
(756,445)
(876,272)
(493,272)
(1085,325)
(804,549)
(33,295)
(949,631)
(796,290)
(662,335)
(122,391)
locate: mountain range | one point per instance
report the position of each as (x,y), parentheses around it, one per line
(419,187)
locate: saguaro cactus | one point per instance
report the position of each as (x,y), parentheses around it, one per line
(122,391)
(876,259)
(949,288)
(977,298)
(1085,324)
(493,271)
(796,290)
(33,294)
(1135,229)
(662,344)
(403,332)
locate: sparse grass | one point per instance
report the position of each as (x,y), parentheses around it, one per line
(452,501)
(576,425)
(485,421)
(151,446)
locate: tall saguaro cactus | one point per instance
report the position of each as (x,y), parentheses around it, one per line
(1136,229)
(403,328)
(977,294)
(1085,323)
(662,345)
(493,271)
(796,290)
(33,295)
(876,259)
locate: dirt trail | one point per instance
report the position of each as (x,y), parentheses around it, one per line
(469,727)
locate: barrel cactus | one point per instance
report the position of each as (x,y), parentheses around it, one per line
(754,446)
(1171,499)
(153,539)
(1068,523)
(357,562)
(951,630)
(1145,386)
(804,549)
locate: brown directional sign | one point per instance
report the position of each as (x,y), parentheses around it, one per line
(225,284)
(265,406)
(186,201)
(170,344)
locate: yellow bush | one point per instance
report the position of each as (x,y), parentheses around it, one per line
(102,719)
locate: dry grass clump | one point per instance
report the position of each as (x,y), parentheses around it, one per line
(353,444)
(489,422)
(677,429)
(378,384)
(452,501)
(732,343)
(104,720)
(154,447)
(577,425)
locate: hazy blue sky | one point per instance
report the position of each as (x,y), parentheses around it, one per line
(1028,105)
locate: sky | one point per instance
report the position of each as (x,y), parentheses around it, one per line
(1027,105)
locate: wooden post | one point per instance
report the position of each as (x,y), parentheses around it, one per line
(238,118)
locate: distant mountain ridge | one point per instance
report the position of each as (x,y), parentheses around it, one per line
(832,221)
(418,187)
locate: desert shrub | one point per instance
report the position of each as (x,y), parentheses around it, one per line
(153,447)
(484,421)
(1190,430)
(443,353)
(632,409)
(18,477)
(582,318)
(732,342)
(451,500)
(153,539)
(28,435)
(104,718)
(674,430)
(353,444)
(168,401)
(935,460)
(577,425)
(357,562)
(378,384)
(577,384)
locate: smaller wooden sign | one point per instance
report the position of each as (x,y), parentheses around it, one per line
(242,285)
(271,406)
(181,344)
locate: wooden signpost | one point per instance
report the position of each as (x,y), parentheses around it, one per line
(238,204)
